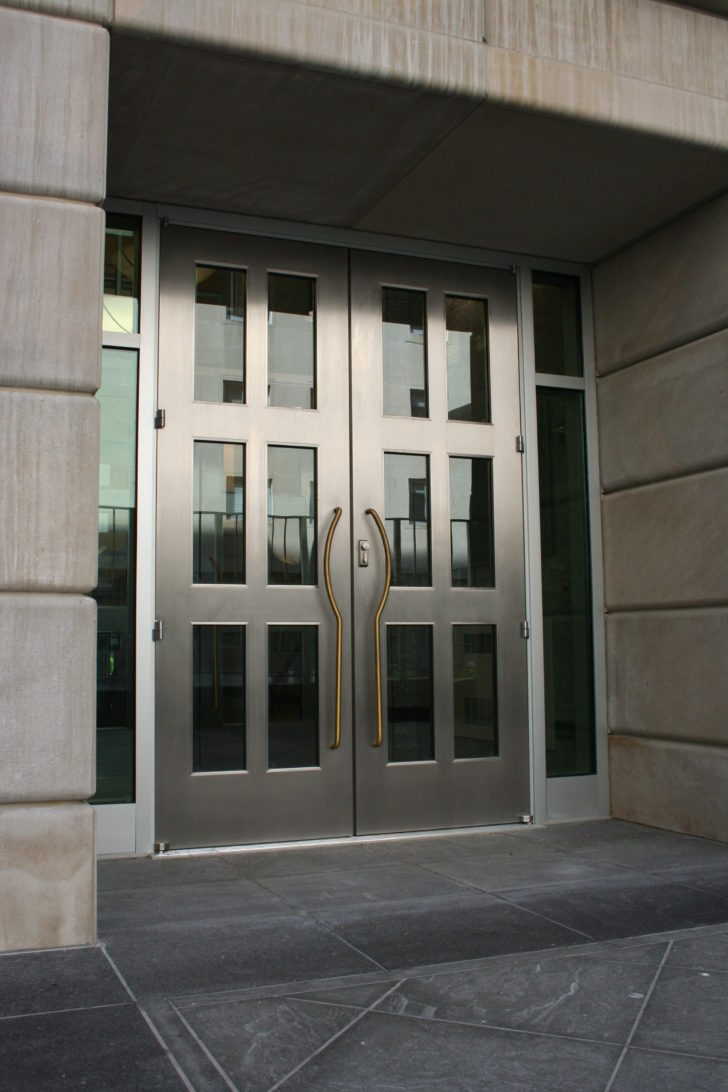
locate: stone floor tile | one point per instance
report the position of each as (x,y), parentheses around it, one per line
(386,883)
(708,953)
(109,1048)
(705,877)
(359,997)
(570,995)
(308,859)
(687,1012)
(443,930)
(502,873)
(130,872)
(628,905)
(70,978)
(643,1070)
(237,953)
(393,1052)
(259,1042)
(184,904)
(447,848)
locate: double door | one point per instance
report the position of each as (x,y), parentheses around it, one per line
(339,544)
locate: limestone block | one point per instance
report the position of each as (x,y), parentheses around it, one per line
(48,868)
(49,466)
(53,106)
(676,786)
(462,18)
(633,37)
(667,676)
(50,294)
(91,11)
(665,291)
(665,417)
(48,650)
(665,545)
(315,34)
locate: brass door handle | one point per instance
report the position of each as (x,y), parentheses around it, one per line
(337,614)
(377,646)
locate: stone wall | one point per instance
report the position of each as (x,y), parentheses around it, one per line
(53,109)
(661,318)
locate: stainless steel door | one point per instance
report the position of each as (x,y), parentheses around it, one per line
(436,414)
(265,594)
(252,462)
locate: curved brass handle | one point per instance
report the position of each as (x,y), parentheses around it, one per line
(377,648)
(337,613)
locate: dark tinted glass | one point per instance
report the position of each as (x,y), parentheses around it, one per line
(121,274)
(409,694)
(219,334)
(468,379)
(557,324)
(404,353)
(566,581)
(115,593)
(474,691)
(291,341)
(218,698)
(218,527)
(471,522)
(292,696)
(291,515)
(407,517)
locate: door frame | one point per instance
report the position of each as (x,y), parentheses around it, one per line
(129,828)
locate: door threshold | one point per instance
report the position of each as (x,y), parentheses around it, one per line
(355,839)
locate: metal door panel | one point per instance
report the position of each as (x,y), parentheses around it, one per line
(258,804)
(445,792)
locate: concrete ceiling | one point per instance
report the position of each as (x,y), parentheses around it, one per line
(218,131)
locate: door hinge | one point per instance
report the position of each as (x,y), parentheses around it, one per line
(525,630)
(160,418)
(525,818)
(520,445)
(158,630)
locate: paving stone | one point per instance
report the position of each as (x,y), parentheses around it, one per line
(628,905)
(109,1048)
(259,1042)
(443,930)
(386,883)
(574,995)
(184,904)
(71,978)
(237,953)
(687,1012)
(646,1069)
(393,1052)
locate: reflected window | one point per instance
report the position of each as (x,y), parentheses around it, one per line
(121,274)
(404,353)
(291,515)
(471,522)
(557,324)
(407,517)
(410,718)
(468,377)
(219,334)
(218,531)
(474,680)
(566,583)
(293,697)
(115,593)
(218,698)
(291,341)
